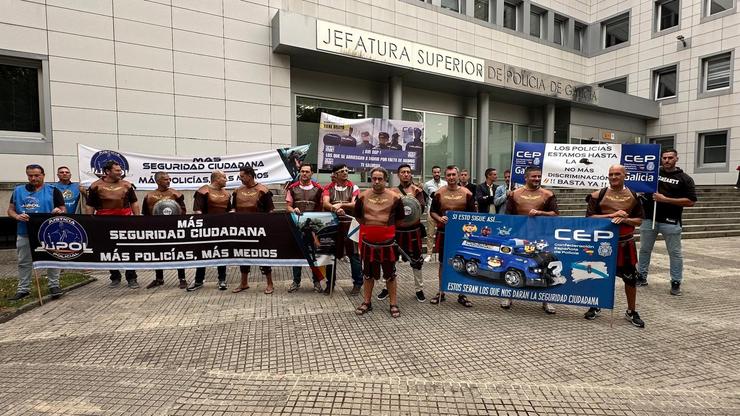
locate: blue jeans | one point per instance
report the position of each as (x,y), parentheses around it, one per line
(297,275)
(25,267)
(672,235)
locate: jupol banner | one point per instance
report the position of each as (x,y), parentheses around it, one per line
(166,242)
(544,259)
(587,165)
(370,142)
(191,172)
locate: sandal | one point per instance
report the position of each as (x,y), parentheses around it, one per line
(437,298)
(239,289)
(461,299)
(269,290)
(364,308)
(395,312)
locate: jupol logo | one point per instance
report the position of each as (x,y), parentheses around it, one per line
(63,238)
(100,158)
(30,204)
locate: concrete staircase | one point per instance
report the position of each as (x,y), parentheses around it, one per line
(716,214)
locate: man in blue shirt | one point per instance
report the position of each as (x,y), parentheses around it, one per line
(70,190)
(31,198)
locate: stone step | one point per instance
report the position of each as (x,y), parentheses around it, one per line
(732,220)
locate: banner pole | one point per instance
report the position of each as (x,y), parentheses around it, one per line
(611,319)
(333,278)
(655,211)
(38,286)
(511,168)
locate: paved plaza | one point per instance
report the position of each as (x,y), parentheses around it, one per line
(163,351)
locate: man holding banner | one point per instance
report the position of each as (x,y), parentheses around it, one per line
(211,199)
(377,210)
(339,198)
(252,197)
(111,195)
(430,187)
(164,201)
(675,191)
(31,198)
(621,205)
(451,197)
(532,200)
(304,195)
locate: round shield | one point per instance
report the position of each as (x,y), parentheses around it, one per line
(411,210)
(166,207)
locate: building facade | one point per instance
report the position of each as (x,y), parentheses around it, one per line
(209,77)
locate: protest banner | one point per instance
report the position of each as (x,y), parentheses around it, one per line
(191,172)
(370,142)
(587,165)
(167,242)
(564,260)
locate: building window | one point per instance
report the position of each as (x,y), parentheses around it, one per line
(664,142)
(578,37)
(666,14)
(713,149)
(618,85)
(20,95)
(482,10)
(615,31)
(453,5)
(558,30)
(535,23)
(716,72)
(718,6)
(665,83)
(510,16)
(448,141)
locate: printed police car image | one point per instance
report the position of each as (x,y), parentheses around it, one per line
(518,262)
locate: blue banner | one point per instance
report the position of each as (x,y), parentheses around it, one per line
(642,162)
(565,260)
(586,166)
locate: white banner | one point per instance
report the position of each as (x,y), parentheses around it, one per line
(579,165)
(191,172)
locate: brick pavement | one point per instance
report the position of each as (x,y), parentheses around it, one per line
(164,351)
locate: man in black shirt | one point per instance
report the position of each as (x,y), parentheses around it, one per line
(675,191)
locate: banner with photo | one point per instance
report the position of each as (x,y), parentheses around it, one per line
(565,260)
(166,242)
(191,172)
(366,143)
(587,165)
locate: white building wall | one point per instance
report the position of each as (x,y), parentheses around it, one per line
(188,76)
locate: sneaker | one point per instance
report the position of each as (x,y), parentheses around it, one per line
(383,295)
(317,287)
(676,288)
(133,284)
(18,296)
(592,313)
(155,283)
(634,317)
(327,290)
(428,258)
(194,286)
(355,290)
(420,296)
(641,280)
(222,285)
(183,284)
(293,287)
(56,292)
(549,309)
(114,283)
(506,303)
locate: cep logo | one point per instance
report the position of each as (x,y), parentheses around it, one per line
(639,158)
(528,154)
(566,234)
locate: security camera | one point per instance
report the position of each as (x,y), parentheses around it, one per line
(682,39)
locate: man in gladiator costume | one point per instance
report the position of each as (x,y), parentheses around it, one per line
(451,197)
(164,193)
(211,199)
(620,204)
(410,236)
(339,197)
(377,210)
(111,195)
(252,197)
(304,195)
(532,200)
